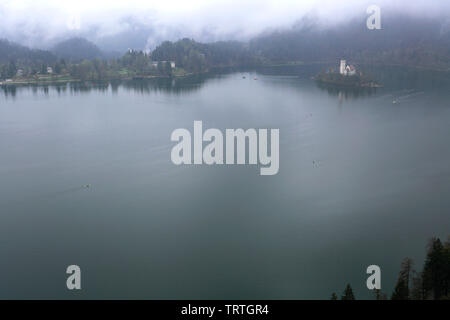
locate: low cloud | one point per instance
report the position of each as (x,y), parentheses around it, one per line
(43,22)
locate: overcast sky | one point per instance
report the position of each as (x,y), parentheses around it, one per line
(41,22)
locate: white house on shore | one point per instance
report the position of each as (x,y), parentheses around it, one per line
(172,63)
(347,70)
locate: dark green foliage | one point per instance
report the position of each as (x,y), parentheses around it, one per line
(186,53)
(77,50)
(199,57)
(334,78)
(418,291)
(432,283)
(446,277)
(160,67)
(43,68)
(167,69)
(403,40)
(8,70)
(136,61)
(22,55)
(436,270)
(90,70)
(348,293)
(379,295)
(334,296)
(14,57)
(401,291)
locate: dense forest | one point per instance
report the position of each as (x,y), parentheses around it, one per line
(77,50)
(13,55)
(356,80)
(403,40)
(132,64)
(82,60)
(196,57)
(431,283)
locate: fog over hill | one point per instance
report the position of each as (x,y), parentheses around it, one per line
(77,49)
(403,36)
(117,26)
(13,51)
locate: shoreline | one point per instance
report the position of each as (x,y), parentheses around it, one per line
(68,79)
(349,85)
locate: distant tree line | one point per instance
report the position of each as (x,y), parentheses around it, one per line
(432,283)
(132,64)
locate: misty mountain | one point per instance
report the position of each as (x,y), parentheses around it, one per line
(77,49)
(403,40)
(13,52)
(407,40)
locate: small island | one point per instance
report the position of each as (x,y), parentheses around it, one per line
(347,77)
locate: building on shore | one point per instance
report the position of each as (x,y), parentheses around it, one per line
(172,63)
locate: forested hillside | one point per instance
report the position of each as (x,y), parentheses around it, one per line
(403,40)
(77,49)
(13,51)
(195,57)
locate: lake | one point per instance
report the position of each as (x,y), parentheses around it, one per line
(362,181)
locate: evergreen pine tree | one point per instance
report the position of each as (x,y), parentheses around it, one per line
(401,291)
(418,291)
(348,293)
(434,272)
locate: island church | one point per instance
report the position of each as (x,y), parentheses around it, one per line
(347,70)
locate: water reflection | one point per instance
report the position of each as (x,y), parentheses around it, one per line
(166,85)
(142,86)
(9,91)
(340,173)
(395,78)
(344,94)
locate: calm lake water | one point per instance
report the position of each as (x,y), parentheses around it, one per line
(362,181)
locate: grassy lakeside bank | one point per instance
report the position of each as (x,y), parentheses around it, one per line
(66,78)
